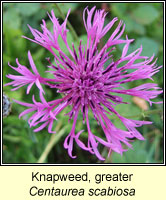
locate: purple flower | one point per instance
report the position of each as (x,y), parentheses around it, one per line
(27,76)
(86,84)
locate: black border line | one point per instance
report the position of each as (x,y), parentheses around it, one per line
(100,164)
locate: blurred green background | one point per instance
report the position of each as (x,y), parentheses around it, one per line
(144,23)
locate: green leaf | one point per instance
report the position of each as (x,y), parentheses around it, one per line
(14,44)
(149,45)
(129,22)
(84,39)
(119,9)
(28,9)
(145,14)
(132,26)
(62,45)
(126,111)
(139,29)
(12,19)
(136,155)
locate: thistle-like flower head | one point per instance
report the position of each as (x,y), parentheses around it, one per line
(86,84)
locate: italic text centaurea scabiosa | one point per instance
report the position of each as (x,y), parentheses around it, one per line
(86,84)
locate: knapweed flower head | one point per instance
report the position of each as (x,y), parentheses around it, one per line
(6,105)
(86,84)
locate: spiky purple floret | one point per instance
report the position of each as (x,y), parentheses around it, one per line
(86,84)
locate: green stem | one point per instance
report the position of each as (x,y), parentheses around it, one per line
(53,140)
(75,36)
